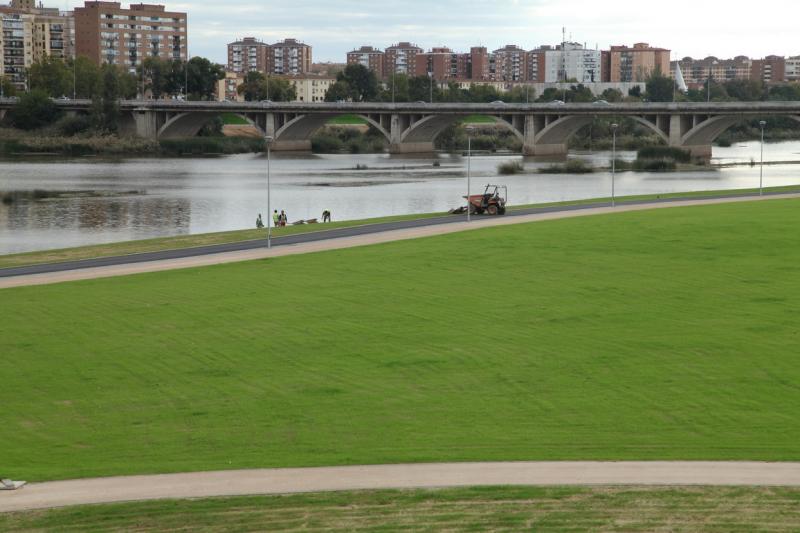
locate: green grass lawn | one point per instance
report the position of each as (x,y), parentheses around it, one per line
(478,119)
(347,120)
(184,241)
(233,119)
(606,509)
(203,239)
(668,334)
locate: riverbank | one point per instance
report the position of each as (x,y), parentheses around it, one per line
(15,143)
(205,239)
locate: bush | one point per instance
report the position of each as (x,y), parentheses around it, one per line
(35,110)
(654,165)
(326,143)
(664,152)
(211,145)
(573,166)
(73,125)
(510,167)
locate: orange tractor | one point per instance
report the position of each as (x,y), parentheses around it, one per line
(490,202)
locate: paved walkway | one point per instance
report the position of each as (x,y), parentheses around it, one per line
(351,241)
(293,480)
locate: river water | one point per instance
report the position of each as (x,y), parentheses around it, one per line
(96,200)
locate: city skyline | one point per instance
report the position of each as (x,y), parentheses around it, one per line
(687,28)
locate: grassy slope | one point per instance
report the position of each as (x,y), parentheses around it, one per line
(188,241)
(695,509)
(668,334)
(183,241)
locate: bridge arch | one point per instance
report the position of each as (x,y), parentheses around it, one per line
(302,127)
(427,129)
(190,123)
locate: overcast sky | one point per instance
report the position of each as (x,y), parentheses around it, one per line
(333,27)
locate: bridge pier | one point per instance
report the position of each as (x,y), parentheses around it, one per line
(146,123)
(412,148)
(291,146)
(546,150)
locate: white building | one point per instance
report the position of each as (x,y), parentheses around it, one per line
(793,68)
(572,62)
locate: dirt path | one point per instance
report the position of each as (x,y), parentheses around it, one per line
(293,480)
(345,242)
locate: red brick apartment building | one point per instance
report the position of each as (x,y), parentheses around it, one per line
(105,32)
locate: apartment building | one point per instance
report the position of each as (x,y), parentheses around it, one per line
(311,88)
(624,64)
(793,68)
(441,63)
(16,47)
(29,33)
(697,71)
(400,58)
(566,62)
(289,57)
(771,69)
(509,64)
(369,57)
(227,87)
(247,54)
(105,32)
(53,31)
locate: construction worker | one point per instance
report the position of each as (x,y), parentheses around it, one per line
(276,219)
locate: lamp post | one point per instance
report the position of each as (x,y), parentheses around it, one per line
(613,163)
(268,140)
(470,129)
(761,176)
(75,79)
(393,78)
(430,75)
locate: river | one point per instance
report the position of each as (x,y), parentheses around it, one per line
(95,200)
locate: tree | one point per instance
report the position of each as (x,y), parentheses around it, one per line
(398,82)
(362,82)
(157,73)
(50,75)
(8,88)
(86,76)
(785,93)
(745,90)
(612,95)
(635,91)
(35,110)
(338,92)
(580,93)
(105,110)
(257,87)
(203,77)
(660,88)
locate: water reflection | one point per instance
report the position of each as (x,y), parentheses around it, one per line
(95,201)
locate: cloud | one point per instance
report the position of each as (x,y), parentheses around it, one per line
(688,27)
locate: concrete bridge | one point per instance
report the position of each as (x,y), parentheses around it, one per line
(544,129)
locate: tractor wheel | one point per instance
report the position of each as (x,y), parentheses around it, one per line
(492,210)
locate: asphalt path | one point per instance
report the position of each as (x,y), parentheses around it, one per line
(367,229)
(399,476)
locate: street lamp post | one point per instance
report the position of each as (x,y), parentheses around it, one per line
(393,78)
(613,164)
(761,176)
(430,75)
(268,140)
(470,129)
(74,79)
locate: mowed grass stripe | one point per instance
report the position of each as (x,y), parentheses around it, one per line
(669,334)
(629,509)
